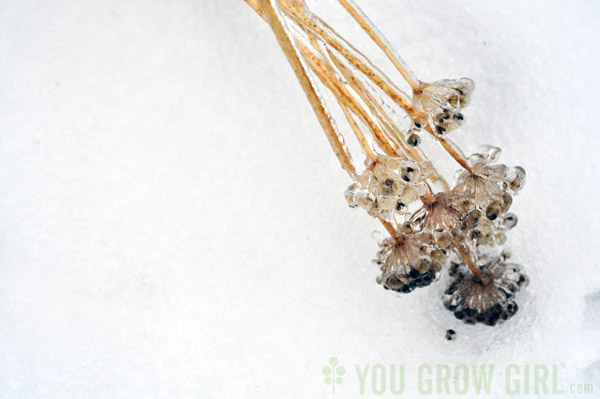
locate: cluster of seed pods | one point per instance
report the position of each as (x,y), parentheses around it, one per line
(431,221)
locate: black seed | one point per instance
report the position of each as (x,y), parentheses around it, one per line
(414,273)
(492,216)
(399,206)
(406,178)
(409,169)
(413,140)
(441,130)
(418,125)
(460,117)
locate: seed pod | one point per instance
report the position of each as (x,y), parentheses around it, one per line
(493,210)
(450,335)
(349,195)
(517,178)
(506,202)
(413,140)
(510,220)
(471,219)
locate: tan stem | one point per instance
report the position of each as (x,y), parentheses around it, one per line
(388,226)
(451,151)
(468,261)
(287,47)
(358,133)
(380,40)
(343,95)
(368,72)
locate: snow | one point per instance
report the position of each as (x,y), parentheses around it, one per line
(172,223)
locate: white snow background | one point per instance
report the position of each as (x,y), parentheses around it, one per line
(172,223)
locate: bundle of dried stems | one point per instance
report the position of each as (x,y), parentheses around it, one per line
(469,220)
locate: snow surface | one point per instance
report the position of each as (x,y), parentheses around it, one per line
(172,222)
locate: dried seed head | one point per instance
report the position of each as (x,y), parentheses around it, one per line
(489,300)
(444,99)
(406,262)
(443,214)
(389,185)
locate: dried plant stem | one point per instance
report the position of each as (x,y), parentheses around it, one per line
(391,128)
(362,67)
(369,71)
(287,47)
(450,150)
(468,261)
(389,227)
(359,135)
(372,75)
(342,94)
(381,41)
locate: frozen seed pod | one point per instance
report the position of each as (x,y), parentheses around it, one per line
(389,187)
(405,261)
(450,335)
(465,87)
(447,122)
(409,195)
(517,177)
(413,139)
(407,283)
(510,220)
(506,202)
(400,207)
(365,199)
(443,96)
(349,195)
(387,203)
(471,219)
(489,300)
(493,210)
(419,122)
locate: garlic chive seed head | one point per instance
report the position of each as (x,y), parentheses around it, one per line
(467,219)
(489,300)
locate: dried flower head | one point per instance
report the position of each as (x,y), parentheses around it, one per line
(408,260)
(442,102)
(488,300)
(388,185)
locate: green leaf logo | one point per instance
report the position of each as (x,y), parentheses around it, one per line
(333,373)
